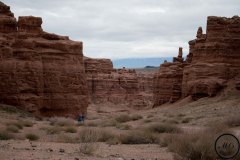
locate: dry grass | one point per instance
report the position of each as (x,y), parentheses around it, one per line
(163,128)
(64,138)
(12,129)
(70,129)
(123,126)
(193,145)
(108,136)
(126,118)
(123,118)
(136,117)
(52,129)
(5,135)
(19,125)
(138,137)
(88,138)
(186,120)
(61,121)
(91,124)
(109,123)
(31,137)
(26,123)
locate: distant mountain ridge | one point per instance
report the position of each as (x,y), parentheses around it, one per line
(139,62)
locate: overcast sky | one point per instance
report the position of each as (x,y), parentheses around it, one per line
(126,28)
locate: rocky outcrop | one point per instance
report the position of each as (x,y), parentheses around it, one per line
(213,60)
(167,82)
(40,72)
(94,65)
(118,86)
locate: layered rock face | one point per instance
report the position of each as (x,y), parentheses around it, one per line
(213,60)
(118,86)
(168,81)
(40,72)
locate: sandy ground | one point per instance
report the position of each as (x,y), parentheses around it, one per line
(25,150)
(188,115)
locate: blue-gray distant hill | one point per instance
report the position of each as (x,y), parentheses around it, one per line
(139,62)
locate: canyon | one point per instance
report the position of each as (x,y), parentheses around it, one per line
(48,75)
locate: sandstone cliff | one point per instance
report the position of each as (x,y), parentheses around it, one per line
(40,72)
(118,86)
(213,60)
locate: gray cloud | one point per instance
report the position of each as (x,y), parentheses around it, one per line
(126,28)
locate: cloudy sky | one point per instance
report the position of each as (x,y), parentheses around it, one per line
(126,28)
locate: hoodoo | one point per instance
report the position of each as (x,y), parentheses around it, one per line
(212,63)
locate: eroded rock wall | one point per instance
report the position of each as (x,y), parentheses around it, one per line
(213,61)
(40,72)
(215,58)
(118,86)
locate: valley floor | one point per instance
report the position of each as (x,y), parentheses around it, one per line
(28,137)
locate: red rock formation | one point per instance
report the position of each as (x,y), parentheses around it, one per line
(167,83)
(40,72)
(93,65)
(118,86)
(213,60)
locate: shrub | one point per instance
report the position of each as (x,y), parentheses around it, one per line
(163,128)
(92,124)
(13,129)
(5,135)
(106,136)
(19,125)
(123,118)
(136,117)
(147,121)
(193,146)
(71,129)
(61,121)
(181,115)
(66,138)
(52,130)
(186,120)
(150,116)
(26,123)
(123,126)
(32,137)
(88,138)
(138,137)
(109,123)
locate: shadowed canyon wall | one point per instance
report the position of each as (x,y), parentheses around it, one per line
(40,72)
(213,61)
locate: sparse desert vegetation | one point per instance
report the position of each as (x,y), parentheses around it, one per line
(177,132)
